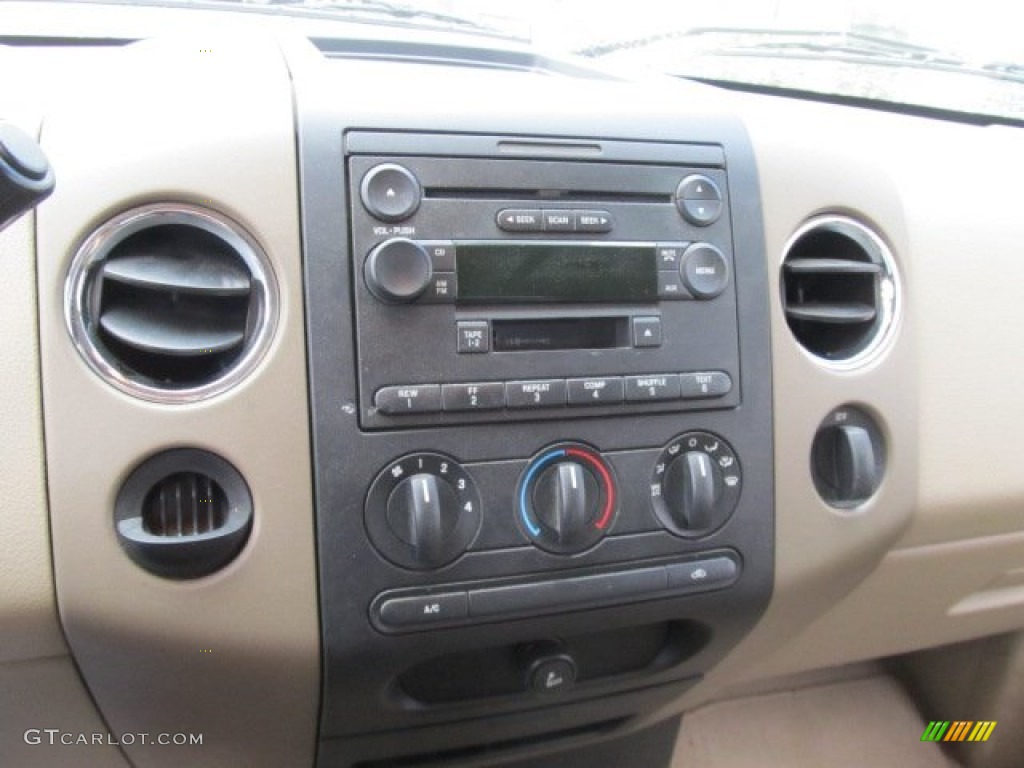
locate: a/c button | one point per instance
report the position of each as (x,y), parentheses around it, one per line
(424,609)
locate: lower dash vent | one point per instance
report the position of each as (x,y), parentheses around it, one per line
(183,514)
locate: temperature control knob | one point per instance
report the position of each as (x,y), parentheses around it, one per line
(397,271)
(696,484)
(566,498)
(423,511)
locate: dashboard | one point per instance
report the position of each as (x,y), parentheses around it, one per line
(413,405)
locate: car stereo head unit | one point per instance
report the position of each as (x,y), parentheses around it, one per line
(593,289)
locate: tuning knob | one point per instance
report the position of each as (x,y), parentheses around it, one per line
(397,271)
(566,498)
(423,511)
(696,484)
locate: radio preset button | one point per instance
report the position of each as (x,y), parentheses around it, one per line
(390,192)
(655,387)
(671,288)
(473,337)
(705,271)
(520,220)
(646,331)
(695,386)
(559,221)
(412,398)
(441,289)
(594,221)
(596,391)
(545,393)
(473,397)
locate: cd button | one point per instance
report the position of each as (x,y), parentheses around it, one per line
(520,220)
(559,221)
(695,386)
(535,394)
(595,391)
(473,397)
(442,255)
(640,389)
(412,398)
(594,221)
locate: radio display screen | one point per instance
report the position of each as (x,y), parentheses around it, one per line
(523,273)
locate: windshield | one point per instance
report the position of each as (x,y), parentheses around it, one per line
(960,57)
(918,55)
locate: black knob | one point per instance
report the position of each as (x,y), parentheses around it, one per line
(423,512)
(704,270)
(847,457)
(397,271)
(696,484)
(693,485)
(565,500)
(390,192)
(26,178)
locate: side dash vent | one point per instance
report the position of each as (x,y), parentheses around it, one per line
(170,303)
(839,290)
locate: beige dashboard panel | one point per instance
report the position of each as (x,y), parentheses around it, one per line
(231,657)
(947,516)
(28,612)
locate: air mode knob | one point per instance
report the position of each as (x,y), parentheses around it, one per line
(696,484)
(423,511)
(397,271)
(566,498)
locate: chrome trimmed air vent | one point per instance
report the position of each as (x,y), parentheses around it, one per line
(840,291)
(171,303)
(183,513)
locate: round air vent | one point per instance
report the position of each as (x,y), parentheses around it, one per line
(183,513)
(840,290)
(170,303)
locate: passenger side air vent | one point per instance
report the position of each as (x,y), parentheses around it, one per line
(170,303)
(183,514)
(839,288)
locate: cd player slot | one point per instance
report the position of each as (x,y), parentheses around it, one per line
(560,333)
(546,195)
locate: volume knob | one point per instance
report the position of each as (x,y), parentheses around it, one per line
(397,271)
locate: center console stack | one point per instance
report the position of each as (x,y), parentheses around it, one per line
(541,398)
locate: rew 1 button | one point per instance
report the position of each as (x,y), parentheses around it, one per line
(414,398)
